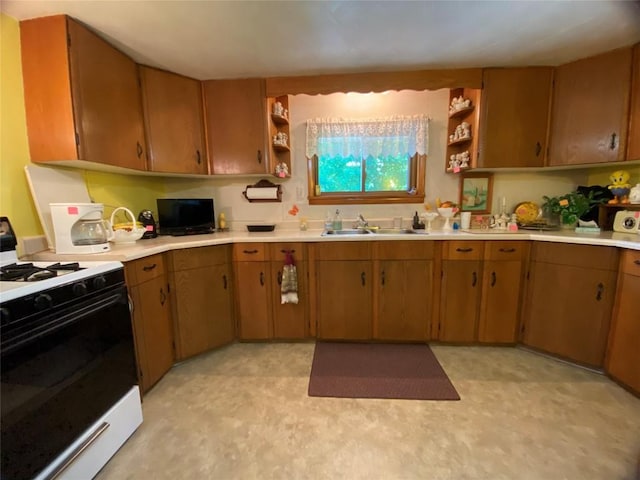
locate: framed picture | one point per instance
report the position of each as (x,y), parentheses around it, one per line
(475,192)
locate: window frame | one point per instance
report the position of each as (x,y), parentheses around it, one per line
(417,169)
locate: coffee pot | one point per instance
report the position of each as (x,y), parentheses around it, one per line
(79,228)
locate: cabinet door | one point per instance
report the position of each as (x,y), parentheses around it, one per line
(106,100)
(253,300)
(590,111)
(236,125)
(623,357)
(174,121)
(633,145)
(515,114)
(568,311)
(154,329)
(623,353)
(290,320)
(500,307)
(344,290)
(203,309)
(404,300)
(460,300)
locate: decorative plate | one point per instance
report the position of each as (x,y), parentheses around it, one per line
(527,212)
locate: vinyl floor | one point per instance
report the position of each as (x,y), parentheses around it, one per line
(242,412)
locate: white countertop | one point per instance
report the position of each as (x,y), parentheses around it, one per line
(144,248)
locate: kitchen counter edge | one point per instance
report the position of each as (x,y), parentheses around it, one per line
(145,248)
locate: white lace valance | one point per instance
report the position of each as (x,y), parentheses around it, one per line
(394,136)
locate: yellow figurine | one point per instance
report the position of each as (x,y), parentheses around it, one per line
(619,187)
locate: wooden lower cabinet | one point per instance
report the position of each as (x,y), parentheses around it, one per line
(344,290)
(253,300)
(569,300)
(623,352)
(403,292)
(290,320)
(261,314)
(502,291)
(460,292)
(152,321)
(202,294)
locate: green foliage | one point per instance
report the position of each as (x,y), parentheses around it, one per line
(381,174)
(570,206)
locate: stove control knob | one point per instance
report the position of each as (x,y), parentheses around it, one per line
(43,301)
(79,289)
(99,282)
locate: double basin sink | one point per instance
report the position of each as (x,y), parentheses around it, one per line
(372,231)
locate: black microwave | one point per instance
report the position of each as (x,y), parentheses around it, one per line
(185,216)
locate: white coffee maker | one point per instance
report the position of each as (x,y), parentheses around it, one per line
(79,228)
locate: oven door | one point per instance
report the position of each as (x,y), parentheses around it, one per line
(60,373)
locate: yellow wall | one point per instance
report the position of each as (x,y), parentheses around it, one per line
(15,198)
(133,192)
(600,175)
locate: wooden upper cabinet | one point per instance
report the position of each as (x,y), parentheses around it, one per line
(174,122)
(236,125)
(633,142)
(514,117)
(82,96)
(590,112)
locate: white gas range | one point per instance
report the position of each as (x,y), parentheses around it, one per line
(20,278)
(69,389)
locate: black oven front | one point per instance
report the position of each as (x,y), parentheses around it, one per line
(67,357)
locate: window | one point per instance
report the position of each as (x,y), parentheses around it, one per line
(367,161)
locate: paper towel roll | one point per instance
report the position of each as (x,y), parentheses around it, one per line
(268,193)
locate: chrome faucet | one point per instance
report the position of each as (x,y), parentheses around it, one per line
(361,222)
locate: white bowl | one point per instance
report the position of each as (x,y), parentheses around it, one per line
(126,236)
(447,212)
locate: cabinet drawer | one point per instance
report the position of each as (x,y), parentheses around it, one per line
(587,256)
(277,251)
(404,250)
(463,250)
(189,258)
(140,271)
(249,252)
(505,250)
(630,262)
(343,251)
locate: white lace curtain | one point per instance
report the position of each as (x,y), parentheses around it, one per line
(393,136)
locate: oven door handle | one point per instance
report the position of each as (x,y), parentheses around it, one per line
(68,461)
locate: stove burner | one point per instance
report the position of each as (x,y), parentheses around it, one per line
(28,272)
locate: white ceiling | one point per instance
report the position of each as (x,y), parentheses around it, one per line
(231,39)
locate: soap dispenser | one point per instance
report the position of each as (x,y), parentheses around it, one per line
(416,222)
(337,221)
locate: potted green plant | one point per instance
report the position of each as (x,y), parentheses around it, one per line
(570,206)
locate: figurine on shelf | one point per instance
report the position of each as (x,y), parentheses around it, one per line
(465,130)
(458,161)
(281,139)
(278,109)
(464,159)
(462,132)
(453,163)
(620,187)
(459,103)
(282,170)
